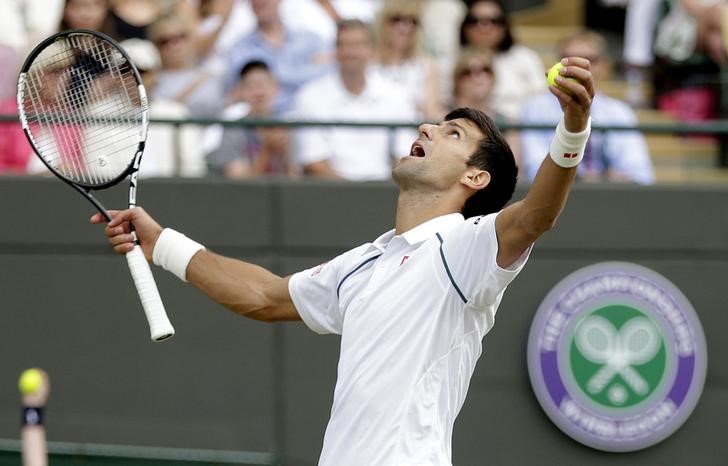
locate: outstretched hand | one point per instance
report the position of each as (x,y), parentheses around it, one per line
(575,91)
(118,230)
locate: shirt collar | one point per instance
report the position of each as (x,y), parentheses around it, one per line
(421,232)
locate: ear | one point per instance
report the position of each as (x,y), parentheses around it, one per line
(475,178)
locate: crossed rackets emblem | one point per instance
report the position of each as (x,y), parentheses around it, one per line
(635,343)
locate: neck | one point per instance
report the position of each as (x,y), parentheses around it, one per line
(354,82)
(272,30)
(396,56)
(416,208)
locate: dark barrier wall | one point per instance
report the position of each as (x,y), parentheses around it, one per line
(225,382)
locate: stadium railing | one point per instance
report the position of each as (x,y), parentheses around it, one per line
(715,128)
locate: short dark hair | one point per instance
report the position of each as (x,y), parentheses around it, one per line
(253,65)
(508,39)
(493,155)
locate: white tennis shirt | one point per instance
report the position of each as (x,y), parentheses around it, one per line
(411,310)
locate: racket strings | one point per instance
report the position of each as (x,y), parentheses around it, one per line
(84,109)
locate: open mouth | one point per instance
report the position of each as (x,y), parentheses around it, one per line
(417,150)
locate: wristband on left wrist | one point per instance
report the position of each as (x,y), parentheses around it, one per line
(32,416)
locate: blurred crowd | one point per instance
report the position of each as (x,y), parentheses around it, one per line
(367,61)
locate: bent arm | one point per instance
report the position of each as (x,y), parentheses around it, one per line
(246,289)
(522,223)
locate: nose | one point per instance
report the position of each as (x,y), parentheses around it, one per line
(426,130)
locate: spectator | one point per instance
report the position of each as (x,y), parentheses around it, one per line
(352,93)
(86,14)
(181,79)
(518,70)
(473,81)
(610,155)
(686,80)
(132,19)
(400,59)
(169,151)
(14,148)
(246,152)
(295,56)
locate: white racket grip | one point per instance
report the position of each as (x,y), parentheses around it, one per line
(159,324)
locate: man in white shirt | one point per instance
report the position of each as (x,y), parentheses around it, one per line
(413,305)
(352,93)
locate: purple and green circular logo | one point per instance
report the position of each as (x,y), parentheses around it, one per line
(617,356)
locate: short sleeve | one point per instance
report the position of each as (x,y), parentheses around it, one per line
(470,252)
(313,292)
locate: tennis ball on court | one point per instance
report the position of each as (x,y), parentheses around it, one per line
(30,381)
(553,73)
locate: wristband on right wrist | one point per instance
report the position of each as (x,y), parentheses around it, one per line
(173,251)
(567,149)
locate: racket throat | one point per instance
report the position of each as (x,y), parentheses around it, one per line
(87,194)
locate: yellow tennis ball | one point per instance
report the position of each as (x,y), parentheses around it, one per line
(30,381)
(553,73)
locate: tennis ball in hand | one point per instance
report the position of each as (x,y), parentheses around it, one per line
(30,381)
(553,73)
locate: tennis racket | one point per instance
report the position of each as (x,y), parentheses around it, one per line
(84,110)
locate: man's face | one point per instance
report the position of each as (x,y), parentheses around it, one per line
(584,49)
(438,158)
(353,48)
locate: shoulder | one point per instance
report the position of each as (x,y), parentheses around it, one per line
(472,226)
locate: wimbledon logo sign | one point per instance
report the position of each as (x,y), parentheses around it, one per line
(617,356)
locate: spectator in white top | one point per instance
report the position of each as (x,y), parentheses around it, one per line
(353,94)
(181,79)
(519,71)
(617,156)
(399,58)
(169,151)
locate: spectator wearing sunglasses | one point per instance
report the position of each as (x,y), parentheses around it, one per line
(399,58)
(181,78)
(519,71)
(473,83)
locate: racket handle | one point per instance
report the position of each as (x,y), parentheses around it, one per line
(159,324)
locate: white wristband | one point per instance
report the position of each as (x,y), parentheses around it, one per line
(173,252)
(567,149)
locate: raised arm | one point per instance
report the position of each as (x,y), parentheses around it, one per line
(523,222)
(244,288)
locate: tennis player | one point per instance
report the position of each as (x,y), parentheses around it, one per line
(413,305)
